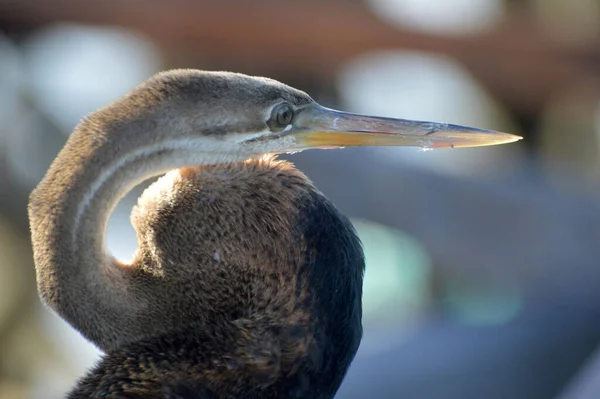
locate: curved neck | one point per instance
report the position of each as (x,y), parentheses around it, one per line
(69,213)
(94,201)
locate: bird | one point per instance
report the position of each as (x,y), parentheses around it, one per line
(246,281)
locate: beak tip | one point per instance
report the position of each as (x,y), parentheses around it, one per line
(512,138)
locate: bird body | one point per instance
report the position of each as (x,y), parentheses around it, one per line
(247,281)
(254,321)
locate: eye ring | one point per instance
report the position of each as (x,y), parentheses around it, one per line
(281,116)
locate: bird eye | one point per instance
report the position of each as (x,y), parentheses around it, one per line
(281,117)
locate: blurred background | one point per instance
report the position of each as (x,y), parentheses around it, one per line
(482,264)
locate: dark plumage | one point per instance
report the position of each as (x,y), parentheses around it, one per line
(286,321)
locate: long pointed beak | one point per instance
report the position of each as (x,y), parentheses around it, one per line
(319,127)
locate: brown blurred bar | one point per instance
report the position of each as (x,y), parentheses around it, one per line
(315,38)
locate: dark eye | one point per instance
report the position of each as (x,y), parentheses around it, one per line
(281,117)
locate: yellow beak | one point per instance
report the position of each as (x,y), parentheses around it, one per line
(319,127)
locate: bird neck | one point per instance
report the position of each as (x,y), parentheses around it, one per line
(69,213)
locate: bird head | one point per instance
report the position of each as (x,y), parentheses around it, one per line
(254,115)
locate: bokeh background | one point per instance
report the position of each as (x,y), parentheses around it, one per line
(483,268)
